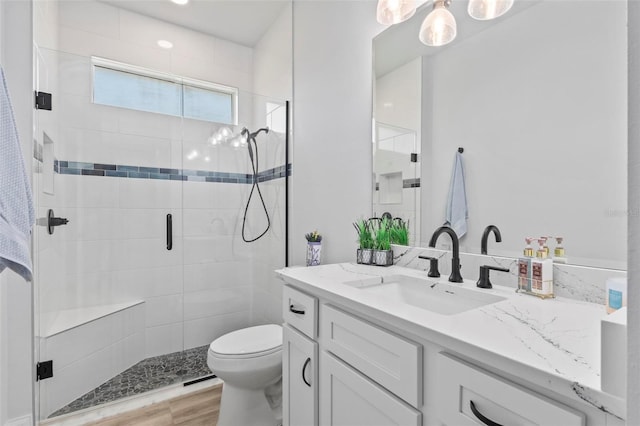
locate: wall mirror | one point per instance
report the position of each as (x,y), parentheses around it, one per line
(538,100)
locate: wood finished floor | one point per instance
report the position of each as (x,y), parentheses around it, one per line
(200,408)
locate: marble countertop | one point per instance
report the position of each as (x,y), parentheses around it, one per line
(554,343)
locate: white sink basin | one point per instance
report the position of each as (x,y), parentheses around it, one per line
(439,297)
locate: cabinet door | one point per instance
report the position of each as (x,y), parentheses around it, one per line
(350,399)
(299,379)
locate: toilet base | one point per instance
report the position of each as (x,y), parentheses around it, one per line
(247,407)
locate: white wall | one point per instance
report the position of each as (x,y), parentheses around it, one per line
(553,120)
(332,76)
(16,368)
(633,242)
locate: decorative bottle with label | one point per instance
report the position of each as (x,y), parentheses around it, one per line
(542,272)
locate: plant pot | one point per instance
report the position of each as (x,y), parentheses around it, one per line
(314,249)
(364,256)
(383,257)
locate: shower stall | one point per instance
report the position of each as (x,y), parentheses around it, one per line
(142,177)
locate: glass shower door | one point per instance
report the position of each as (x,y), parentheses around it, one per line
(108,283)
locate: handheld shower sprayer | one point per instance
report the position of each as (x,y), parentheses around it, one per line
(251,137)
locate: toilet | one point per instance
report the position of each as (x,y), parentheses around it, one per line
(249,361)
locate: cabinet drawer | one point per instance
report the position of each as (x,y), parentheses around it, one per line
(350,399)
(463,385)
(300,311)
(391,360)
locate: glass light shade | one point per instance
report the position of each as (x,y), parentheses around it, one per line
(391,12)
(439,27)
(488,9)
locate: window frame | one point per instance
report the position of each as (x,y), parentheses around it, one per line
(172,78)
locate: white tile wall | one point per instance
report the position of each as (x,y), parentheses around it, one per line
(216,302)
(203,331)
(93,17)
(164,310)
(163,339)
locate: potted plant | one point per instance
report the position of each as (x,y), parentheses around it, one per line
(364,253)
(382,254)
(399,232)
(314,248)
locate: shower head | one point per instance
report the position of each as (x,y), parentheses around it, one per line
(254,134)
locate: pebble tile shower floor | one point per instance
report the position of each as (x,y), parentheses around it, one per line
(149,374)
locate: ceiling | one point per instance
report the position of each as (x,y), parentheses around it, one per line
(240,21)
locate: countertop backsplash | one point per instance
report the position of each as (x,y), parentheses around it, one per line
(582,283)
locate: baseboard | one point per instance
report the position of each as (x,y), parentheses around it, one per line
(21,421)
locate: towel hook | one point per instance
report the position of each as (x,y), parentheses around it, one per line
(460,150)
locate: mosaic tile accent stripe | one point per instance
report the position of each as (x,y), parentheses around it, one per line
(406,183)
(149,374)
(189,175)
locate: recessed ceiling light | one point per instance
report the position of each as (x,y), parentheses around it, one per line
(165,44)
(180,2)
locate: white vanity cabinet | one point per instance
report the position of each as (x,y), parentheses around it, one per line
(366,375)
(344,366)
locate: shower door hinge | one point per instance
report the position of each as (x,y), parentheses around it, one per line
(43,101)
(414,157)
(44,370)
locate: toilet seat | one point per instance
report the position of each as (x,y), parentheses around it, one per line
(251,342)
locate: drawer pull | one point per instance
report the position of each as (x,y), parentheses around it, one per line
(480,417)
(304,368)
(296,311)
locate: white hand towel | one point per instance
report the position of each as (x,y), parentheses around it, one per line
(457,213)
(16,202)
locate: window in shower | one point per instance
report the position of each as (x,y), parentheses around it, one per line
(128,86)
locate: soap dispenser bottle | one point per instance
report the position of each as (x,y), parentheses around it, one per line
(558,253)
(542,272)
(544,245)
(524,267)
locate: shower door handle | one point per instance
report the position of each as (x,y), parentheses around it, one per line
(169,231)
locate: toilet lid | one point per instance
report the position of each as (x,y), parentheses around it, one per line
(252,340)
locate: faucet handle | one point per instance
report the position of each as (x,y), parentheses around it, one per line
(433,266)
(483,280)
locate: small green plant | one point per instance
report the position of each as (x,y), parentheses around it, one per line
(382,237)
(365,237)
(399,232)
(313,237)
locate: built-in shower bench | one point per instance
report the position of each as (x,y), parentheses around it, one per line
(88,346)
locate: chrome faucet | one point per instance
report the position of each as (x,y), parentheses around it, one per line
(455,276)
(485,237)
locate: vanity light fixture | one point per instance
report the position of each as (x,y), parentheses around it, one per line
(389,12)
(180,2)
(439,27)
(488,9)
